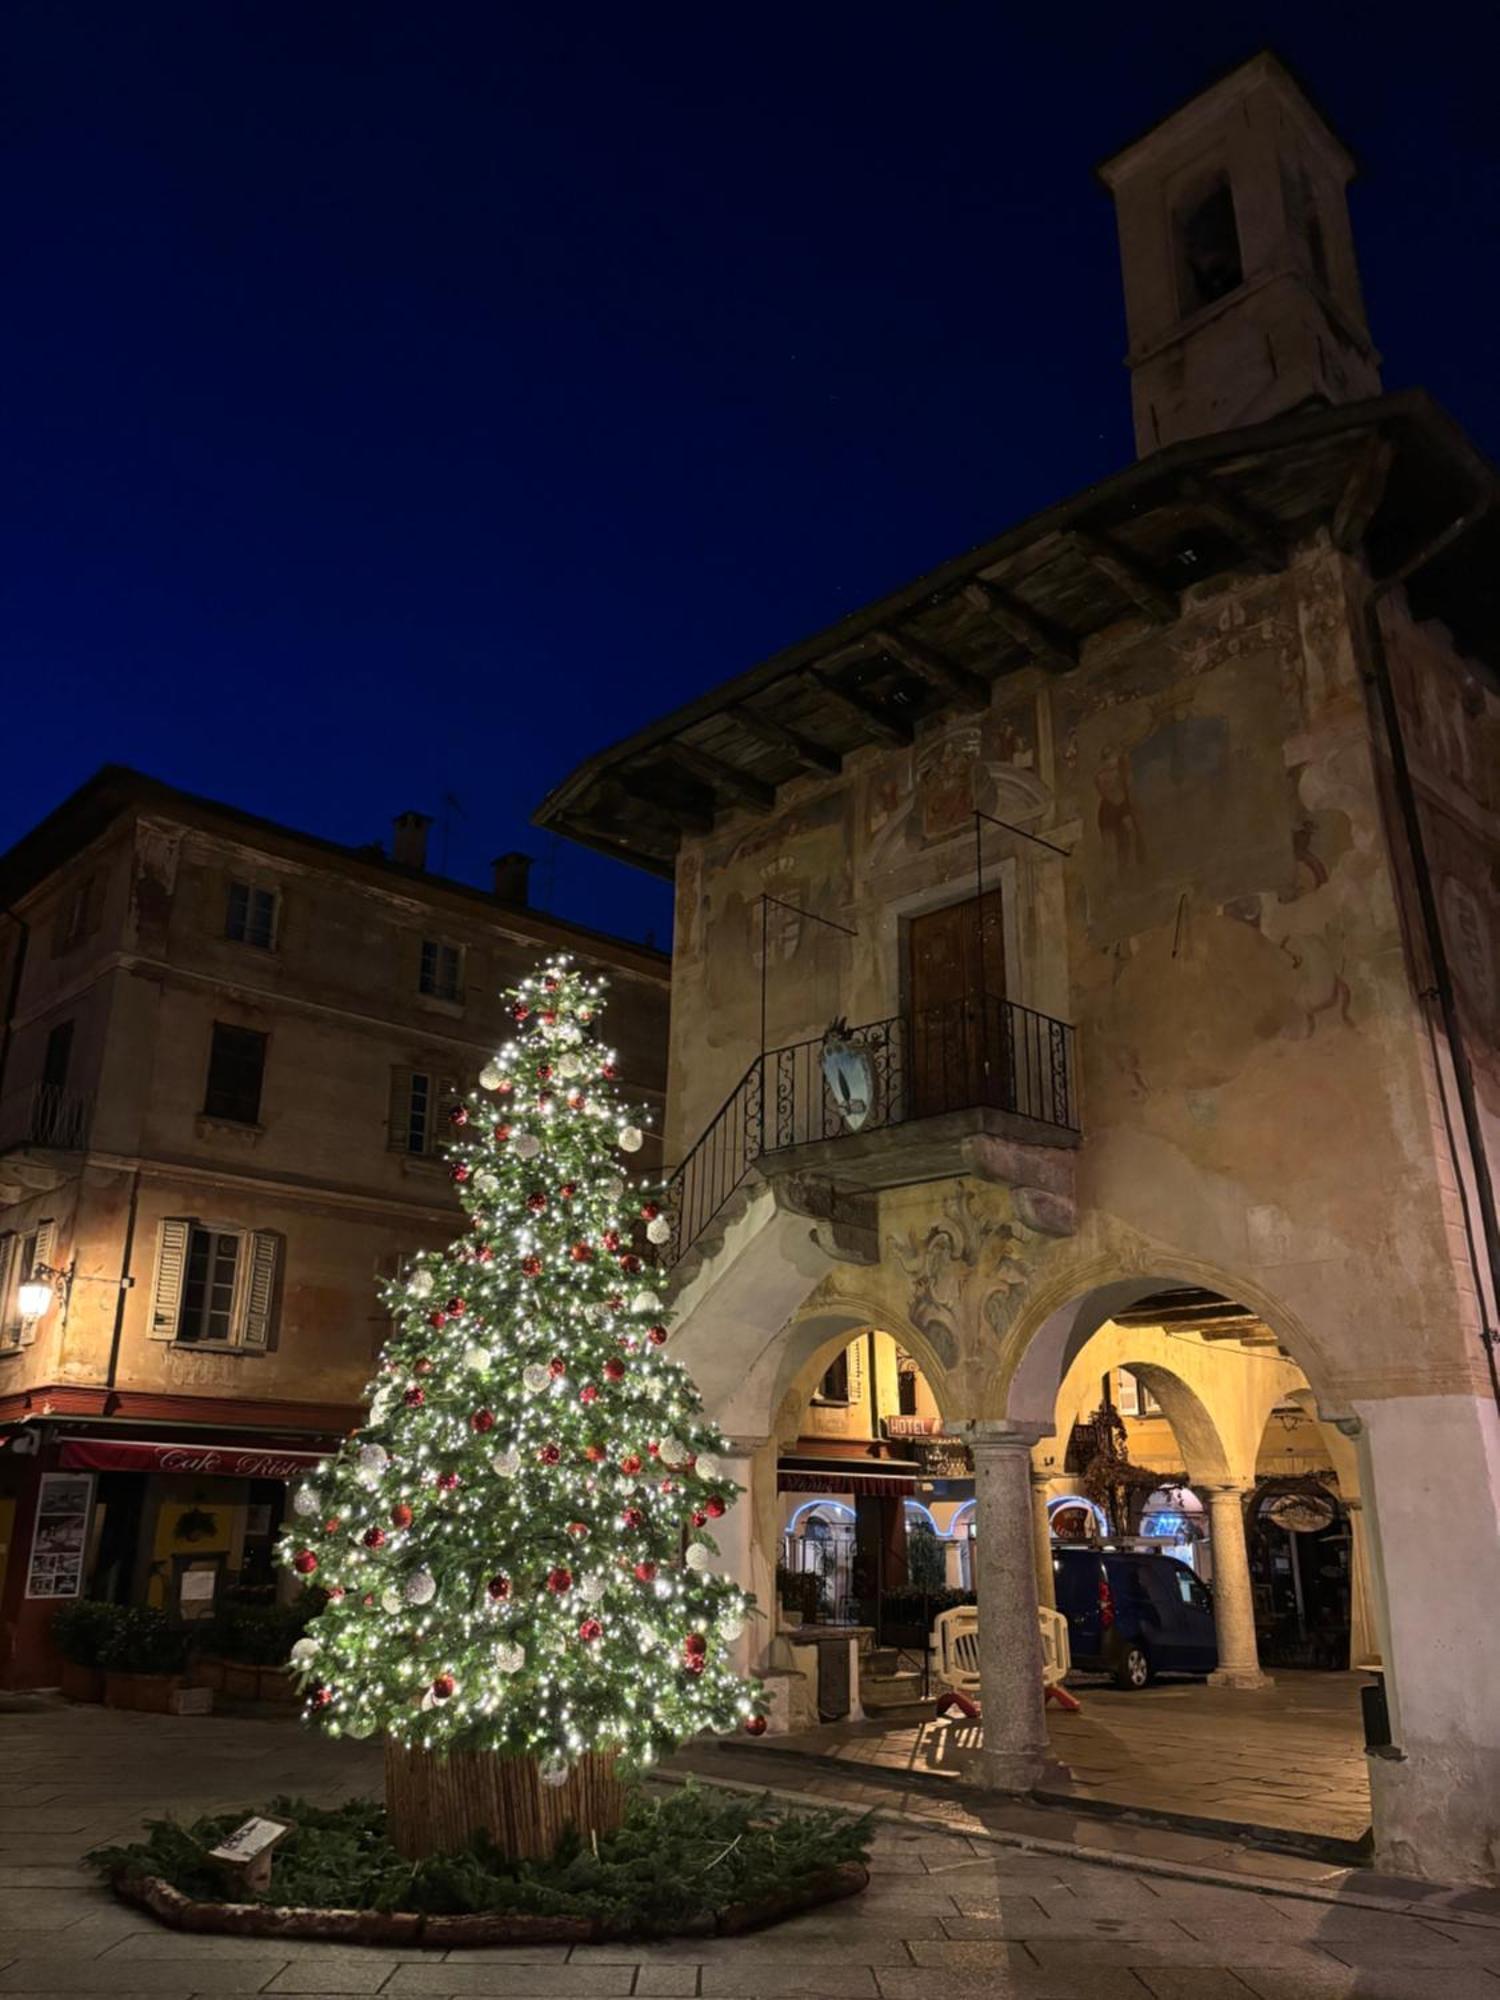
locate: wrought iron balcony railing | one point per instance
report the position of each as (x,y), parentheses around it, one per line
(981,1053)
(45,1115)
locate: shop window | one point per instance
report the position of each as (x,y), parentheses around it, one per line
(250,917)
(834,1387)
(418,1119)
(215,1285)
(440,976)
(236,1070)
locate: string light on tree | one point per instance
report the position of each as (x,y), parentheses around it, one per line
(509,1569)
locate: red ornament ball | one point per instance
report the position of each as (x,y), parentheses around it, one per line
(437,1317)
(755,1725)
(630,1463)
(374,1538)
(304,1562)
(321,1697)
(645,1572)
(611,1239)
(544,1072)
(368,1600)
(457,1305)
(549,1017)
(590,1630)
(667,1486)
(498,1587)
(581,1253)
(505,1086)
(557,1367)
(460,1172)
(421,1366)
(632,1518)
(520,1011)
(578,1529)
(332,1525)
(654,1450)
(559,1580)
(614,1369)
(650,1210)
(588,1393)
(549,984)
(698,1517)
(657,1336)
(414,1398)
(692,1663)
(444,1687)
(576,1100)
(549,1454)
(500,1133)
(629,1261)
(713,1506)
(568,1190)
(531,1266)
(536,1201)
(459,1115)
(335,1593)
(482,1421)
(609,1070)
(614,1302)
(447,1482)
(594,1453)
(401,1515)
(485,1254)
(696,1644)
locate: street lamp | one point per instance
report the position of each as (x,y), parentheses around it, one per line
(34,1295)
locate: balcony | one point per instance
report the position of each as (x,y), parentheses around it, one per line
(918,1097)
(46,1118)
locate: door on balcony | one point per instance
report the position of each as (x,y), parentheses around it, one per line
(955,983)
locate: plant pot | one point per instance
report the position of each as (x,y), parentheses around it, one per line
(208,1671)
(151,1693)
(82,1683)
(277,1685)
(241,1683)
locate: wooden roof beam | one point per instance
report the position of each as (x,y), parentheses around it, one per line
(1363,492)
(742,786)
(1257,536)
(1128,575)
(776,736)
(1046,642)
(691,809)
(970,690)
(879,722)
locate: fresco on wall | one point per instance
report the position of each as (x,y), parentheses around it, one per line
(989,763)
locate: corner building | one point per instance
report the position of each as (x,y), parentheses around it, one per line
(1147,858)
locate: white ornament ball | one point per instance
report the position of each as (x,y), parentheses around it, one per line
(303,1651)
(306,1501)
(536,1377)
(554,1771)
(732,1624)
(390,1600)
(373,1458)
(673,1451)
(421,1587)
(486,1183)
(360,1727)
(698,1557)
(491,1076)
(420,1284)
(709,1467)
(632,1139)
(510,1658)
(658,1230)
(592,1588)
(507,1462)
(429,1700)
(614,1188)
(477,1358)
(645,1302)
(568,1065)
(527,1146)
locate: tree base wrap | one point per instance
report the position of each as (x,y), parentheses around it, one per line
(434,1804)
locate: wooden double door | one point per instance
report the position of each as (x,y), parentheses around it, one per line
(957,1046)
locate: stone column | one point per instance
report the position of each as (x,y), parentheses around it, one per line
(1015,1756)
(1364,1633)
(1041,1527)
(1234,1603)
(735,1534)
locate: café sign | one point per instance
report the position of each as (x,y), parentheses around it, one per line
(198,1460)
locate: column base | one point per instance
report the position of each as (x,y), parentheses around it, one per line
(1240,1677)
(1015,1771)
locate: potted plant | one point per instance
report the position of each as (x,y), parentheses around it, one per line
(245,1648)
(80,1632)
(144,1658)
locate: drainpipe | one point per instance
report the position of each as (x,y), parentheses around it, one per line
(1432,929)
(126,1281)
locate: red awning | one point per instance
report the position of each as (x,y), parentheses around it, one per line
(792,1481)
(217,1461)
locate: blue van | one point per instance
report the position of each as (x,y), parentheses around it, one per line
(1134,1614)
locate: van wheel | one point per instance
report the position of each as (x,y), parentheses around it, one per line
(1134,1671)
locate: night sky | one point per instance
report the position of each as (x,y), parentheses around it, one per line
(402,401)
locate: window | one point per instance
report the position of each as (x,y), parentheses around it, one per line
(1209,246)
(215,1284)
(236,1067)
(441,970)
(419,1111)
(906,1385)
(21,1256)
(834,1387)
(58,1054)
(77,914)
(1133,1398)
(251,915)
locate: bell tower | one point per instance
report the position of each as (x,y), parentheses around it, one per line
(1242,296)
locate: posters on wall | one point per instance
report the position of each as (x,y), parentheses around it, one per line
(60,1538)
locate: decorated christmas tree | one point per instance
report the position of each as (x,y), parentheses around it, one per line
(517,1545)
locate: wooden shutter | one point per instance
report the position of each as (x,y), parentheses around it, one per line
(399,1110)
(171,1272)
(10,1320)
(44,1253)
(262,1262)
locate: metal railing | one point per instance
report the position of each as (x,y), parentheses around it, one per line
(967,1054)
(44,1114)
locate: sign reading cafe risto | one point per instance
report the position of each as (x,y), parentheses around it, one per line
(202,1460)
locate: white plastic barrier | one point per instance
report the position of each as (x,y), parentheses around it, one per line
(955,1645)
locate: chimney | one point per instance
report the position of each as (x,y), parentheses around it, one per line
(511,878)
(409,839)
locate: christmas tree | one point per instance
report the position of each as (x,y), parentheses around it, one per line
(517,1545)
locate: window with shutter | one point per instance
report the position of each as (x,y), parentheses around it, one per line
(39,1253)
(418,1115)
(250,915)
(170,1277)
(10,1312)
(236,1071)
(440,973)
(262,1264)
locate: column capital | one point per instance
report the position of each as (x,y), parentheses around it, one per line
(1043,1479)
(1223,1489)
(998,1434)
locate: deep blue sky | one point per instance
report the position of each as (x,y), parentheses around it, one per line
(409,399)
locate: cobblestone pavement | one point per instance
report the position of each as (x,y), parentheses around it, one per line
(1290,1755)
(948,1912)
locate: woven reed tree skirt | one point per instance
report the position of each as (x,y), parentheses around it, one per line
(435,1804)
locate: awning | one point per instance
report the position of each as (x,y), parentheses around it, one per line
(892,1476)
(216,1461)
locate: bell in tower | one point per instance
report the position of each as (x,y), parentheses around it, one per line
(1242,295)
